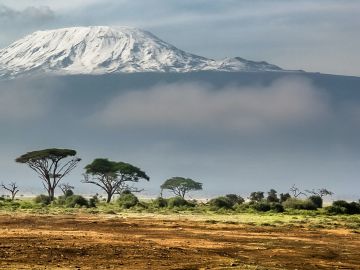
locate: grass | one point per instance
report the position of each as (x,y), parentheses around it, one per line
(295,218)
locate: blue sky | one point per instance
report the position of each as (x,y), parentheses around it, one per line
(320,36)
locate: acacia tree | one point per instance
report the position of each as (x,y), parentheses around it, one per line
(322,192)
(272,196)
(256,196)
(50,165)
(12,188)
(180,186)
(111,176)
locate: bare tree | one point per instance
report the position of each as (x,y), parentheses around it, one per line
(322,192)
(12,188)
(296,192)
(66,188)
(126,187)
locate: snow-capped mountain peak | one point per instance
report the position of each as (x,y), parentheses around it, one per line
(103,49)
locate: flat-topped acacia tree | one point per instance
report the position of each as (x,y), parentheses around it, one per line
(112,175)
(51,165)
(180,185)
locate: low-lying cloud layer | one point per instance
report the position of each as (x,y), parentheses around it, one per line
(293,130)
(22,104)
(189,106)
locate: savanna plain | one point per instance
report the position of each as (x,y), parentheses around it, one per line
(113,238)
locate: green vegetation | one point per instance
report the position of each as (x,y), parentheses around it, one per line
(179,186)
(117,179)
(127,200)
(111,176)
(294,203)
(343,207)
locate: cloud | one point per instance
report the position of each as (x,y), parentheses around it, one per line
(18,104)
(29,14)
(285,103)
(16,23)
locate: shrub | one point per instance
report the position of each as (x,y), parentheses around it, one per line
(160,202)
(178,202)
(76,200)
(127,200)
(317,200)
(93,201)
(42,199)
(284,197)
(242,207)
(353,208)
(343,207)
(261,206)
(340,203)
(26,205)
(294,203)
(336,210)
(68,193)
(235,199)
(221,202)
(277,207)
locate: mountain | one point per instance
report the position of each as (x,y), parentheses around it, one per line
(103,49)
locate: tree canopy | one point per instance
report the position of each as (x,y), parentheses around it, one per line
(112,175)
(49,165)
(180,186)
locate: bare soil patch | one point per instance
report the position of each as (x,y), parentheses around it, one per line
(116,242)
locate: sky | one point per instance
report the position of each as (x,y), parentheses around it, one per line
(234,133)
(318,36)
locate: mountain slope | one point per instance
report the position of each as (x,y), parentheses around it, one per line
(102,49)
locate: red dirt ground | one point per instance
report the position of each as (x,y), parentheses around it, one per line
(105,242)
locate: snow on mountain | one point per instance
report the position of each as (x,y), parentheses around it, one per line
(103,49)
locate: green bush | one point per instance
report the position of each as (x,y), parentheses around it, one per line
(317,200)
(68,193)
(261,206)
(26,205)
(160,202)
(244,207)
(277,207)
(76,201)
(221,202)
(340,203)
(178,202)
(42,199)
(336,210)
(93,201)
(343,207)
(235,199)
(294,203)
(127,200)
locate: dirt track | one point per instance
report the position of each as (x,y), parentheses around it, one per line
(105,242)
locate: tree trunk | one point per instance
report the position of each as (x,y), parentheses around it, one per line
(51,192)
(109,195)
